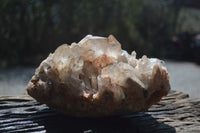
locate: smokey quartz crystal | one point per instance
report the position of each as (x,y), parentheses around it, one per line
(95,78)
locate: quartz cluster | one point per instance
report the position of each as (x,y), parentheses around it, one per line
(95,77)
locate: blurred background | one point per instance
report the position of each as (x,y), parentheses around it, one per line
(166,29)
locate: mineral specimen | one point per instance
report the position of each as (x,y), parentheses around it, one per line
(95,77)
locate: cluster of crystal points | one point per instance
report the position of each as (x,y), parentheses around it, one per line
(95,77)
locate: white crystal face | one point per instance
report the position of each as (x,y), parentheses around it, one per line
(97,63)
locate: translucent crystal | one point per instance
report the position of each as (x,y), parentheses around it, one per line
(95,77)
